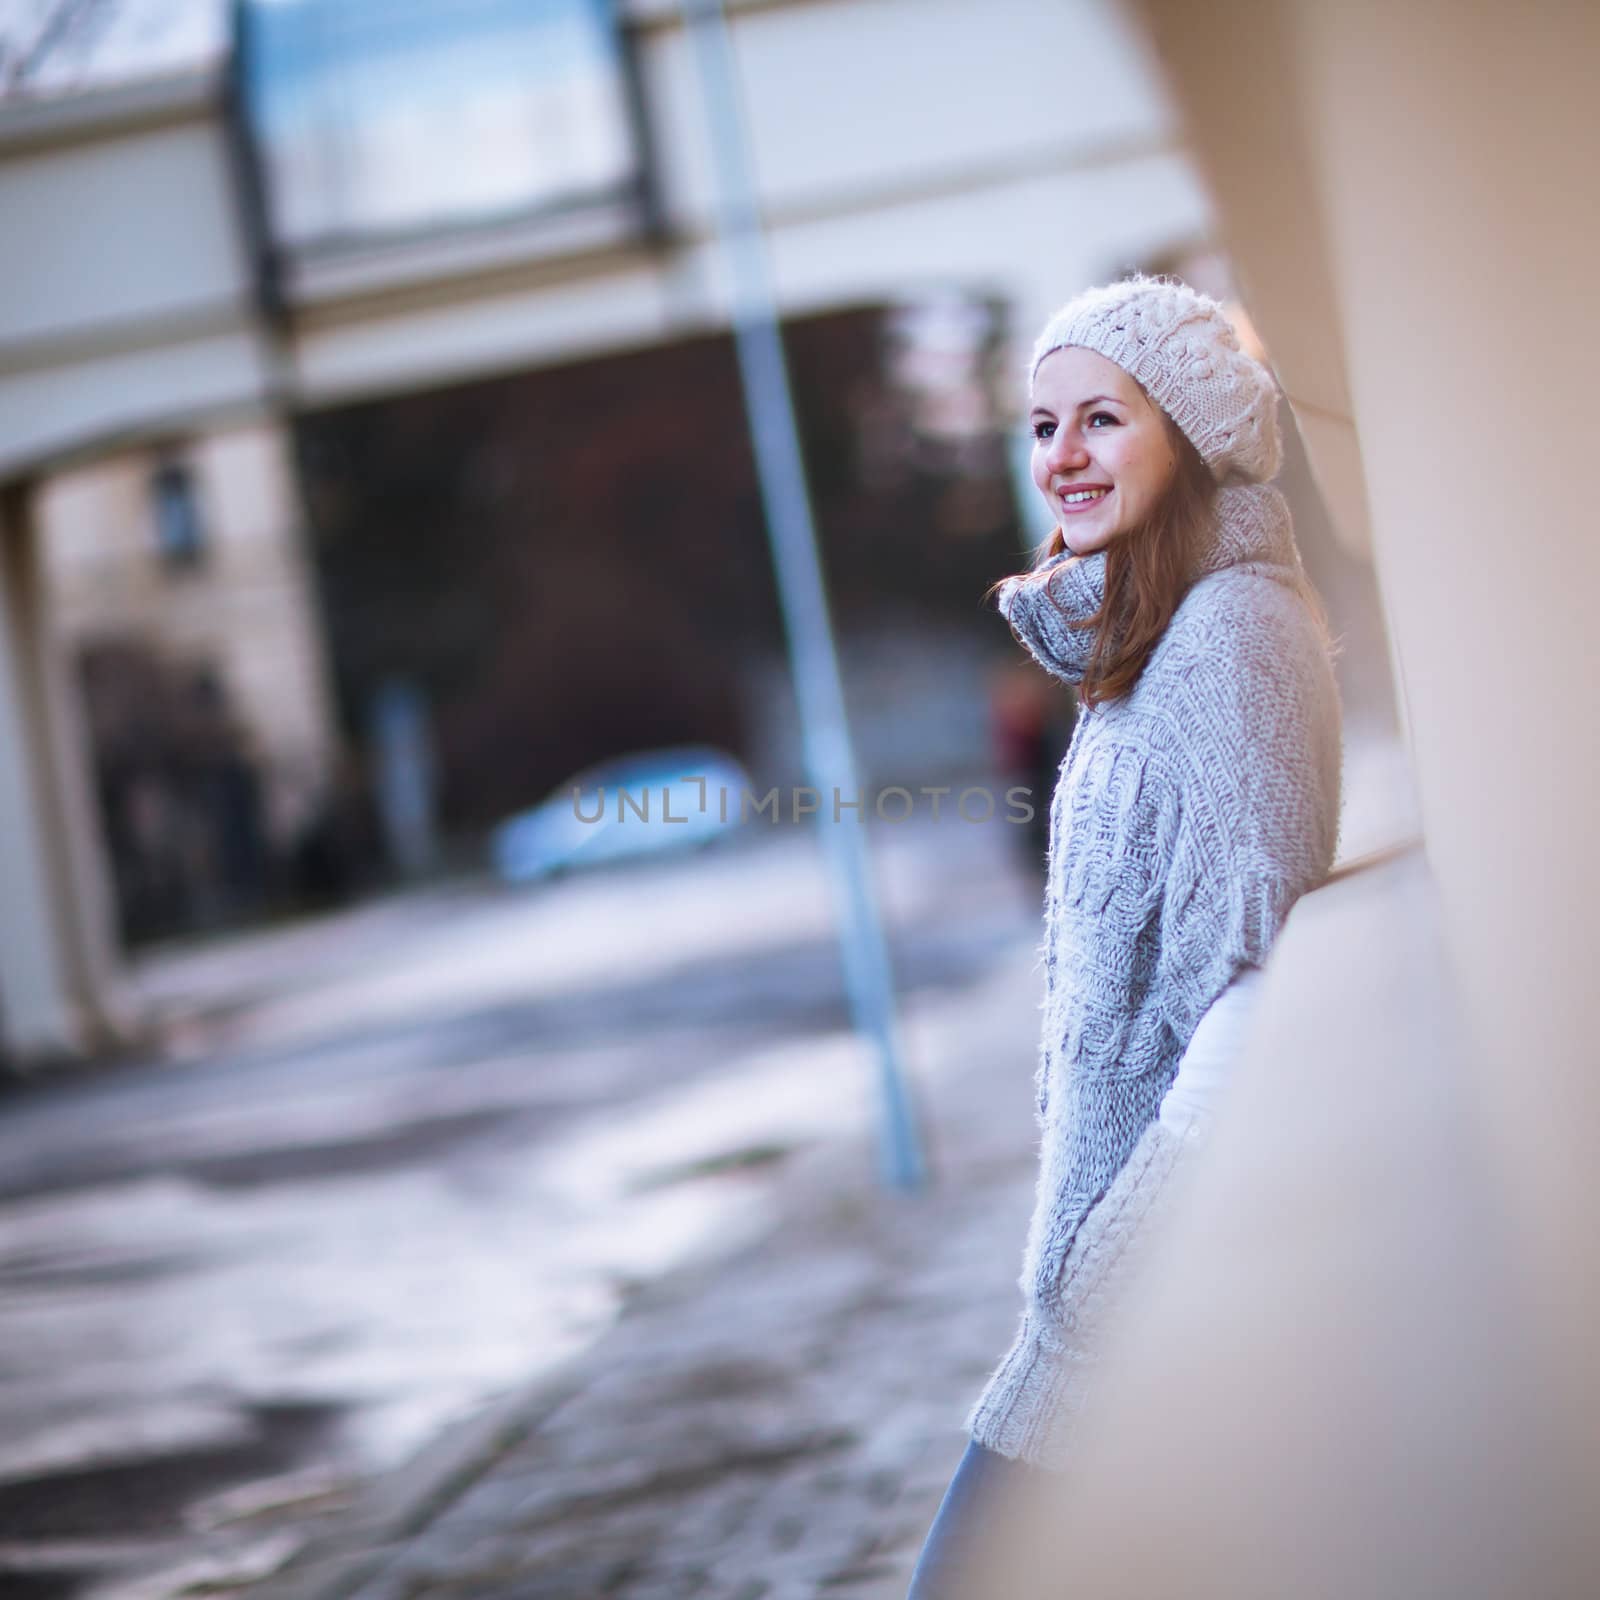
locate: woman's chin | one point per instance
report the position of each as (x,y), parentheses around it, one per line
(1085,543)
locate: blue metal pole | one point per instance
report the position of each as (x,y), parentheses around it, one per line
(830,762)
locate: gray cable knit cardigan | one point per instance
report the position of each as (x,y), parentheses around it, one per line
(1187,819)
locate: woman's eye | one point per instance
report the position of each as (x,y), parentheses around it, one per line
(1043,430)
(1102,416)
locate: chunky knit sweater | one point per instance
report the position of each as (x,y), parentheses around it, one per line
(1188,817)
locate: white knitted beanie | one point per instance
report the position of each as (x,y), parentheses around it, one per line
(1184,351)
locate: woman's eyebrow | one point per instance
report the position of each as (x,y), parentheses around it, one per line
(1093,400)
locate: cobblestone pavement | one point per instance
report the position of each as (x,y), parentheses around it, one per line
(778,1424)
(288,1296)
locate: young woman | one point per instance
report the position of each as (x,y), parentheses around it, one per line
(1198,800)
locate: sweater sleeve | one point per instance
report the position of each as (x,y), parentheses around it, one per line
(1037,604)
(1219,915)
(1256,829)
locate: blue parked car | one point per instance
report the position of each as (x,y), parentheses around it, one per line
(645,804)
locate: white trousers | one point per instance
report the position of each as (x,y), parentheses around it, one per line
(1213,1053)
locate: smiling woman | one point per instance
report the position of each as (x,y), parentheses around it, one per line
(1198,801)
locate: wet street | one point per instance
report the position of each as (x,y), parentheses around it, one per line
(390,1165)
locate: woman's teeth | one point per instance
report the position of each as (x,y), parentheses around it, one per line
(1078,496)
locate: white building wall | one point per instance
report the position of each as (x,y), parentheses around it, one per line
(854,101)
(128,303)
(120,230)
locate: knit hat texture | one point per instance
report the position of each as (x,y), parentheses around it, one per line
(1181,347)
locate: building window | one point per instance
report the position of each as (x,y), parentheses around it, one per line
(391,118)
(180,533)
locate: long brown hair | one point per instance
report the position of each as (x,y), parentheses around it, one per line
(1148,572)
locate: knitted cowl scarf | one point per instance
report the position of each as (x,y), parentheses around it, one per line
(1252,529)
(1188,817)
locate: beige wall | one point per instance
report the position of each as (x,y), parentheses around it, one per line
(1367,1362)
(1463,231)
(1417,244)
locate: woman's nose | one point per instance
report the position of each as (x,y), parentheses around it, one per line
(1067,452)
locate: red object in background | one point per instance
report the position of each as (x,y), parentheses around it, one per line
(1020,713)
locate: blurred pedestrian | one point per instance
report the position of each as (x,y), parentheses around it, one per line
(1198,801)
(1032,718)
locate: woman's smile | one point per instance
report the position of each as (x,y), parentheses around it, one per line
(1074,499)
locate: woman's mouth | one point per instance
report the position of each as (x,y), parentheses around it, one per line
(1076,500)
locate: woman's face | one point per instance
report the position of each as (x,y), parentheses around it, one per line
(1102,456)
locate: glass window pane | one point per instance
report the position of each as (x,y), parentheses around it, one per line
(398,116)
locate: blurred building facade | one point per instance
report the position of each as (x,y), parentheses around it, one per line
(179,595)
(253,230)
